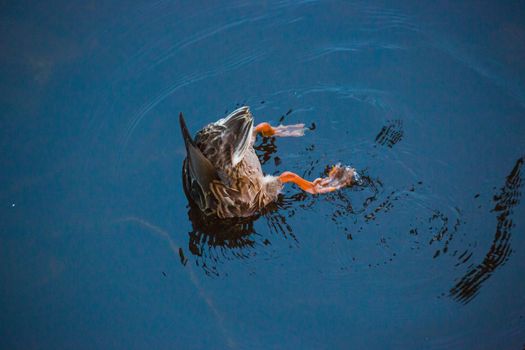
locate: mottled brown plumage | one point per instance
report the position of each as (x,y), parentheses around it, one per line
(234,185)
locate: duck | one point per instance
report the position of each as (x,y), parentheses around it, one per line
(222,174)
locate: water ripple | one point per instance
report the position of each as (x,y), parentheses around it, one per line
(468,286)
(233,64)
(357,46)
(193,39)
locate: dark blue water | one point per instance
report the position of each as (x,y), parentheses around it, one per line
(99,248)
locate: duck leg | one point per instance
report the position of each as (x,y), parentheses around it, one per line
(266,130)
(305,185)
(338,177)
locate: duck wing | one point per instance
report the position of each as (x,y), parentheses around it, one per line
(201,172)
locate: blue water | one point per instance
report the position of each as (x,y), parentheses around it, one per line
(99,248)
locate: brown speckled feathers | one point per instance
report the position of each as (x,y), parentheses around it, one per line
(233,184)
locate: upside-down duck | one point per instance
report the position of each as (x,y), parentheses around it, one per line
(223,176)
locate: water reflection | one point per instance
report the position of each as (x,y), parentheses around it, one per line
(265,149)
(505,202)
(213,240)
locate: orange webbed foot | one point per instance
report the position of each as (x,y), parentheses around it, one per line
(295,130)
(339,177)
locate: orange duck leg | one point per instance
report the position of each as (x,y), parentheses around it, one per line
(338,177)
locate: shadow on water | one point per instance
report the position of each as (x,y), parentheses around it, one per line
(500,250)
(213,240)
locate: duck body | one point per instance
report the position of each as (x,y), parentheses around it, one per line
(221,173)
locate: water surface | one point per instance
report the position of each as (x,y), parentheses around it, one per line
(99,247)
